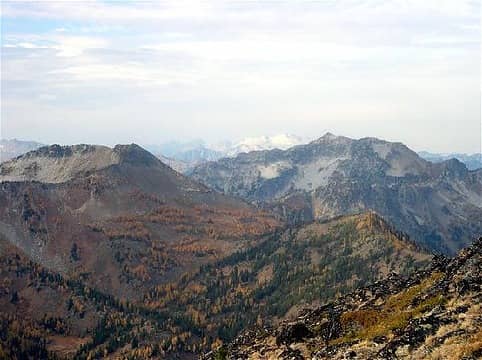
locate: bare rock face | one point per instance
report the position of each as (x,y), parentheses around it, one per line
(438,205)
(434,313)
(58,164)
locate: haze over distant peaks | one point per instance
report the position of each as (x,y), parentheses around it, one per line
(473,161)
(183,156)
(13,148)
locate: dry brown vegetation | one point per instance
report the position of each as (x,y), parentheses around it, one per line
(393,314)
(204,273)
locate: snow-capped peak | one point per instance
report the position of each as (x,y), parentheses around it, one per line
(280,141)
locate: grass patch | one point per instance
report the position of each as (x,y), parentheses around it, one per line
(459,348)
(394,314)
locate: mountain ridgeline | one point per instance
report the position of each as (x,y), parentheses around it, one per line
(438,205)
(119,216)
(108,252)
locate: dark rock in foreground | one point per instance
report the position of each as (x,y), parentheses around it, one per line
(433,314)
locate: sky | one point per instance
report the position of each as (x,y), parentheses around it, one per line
(112,72)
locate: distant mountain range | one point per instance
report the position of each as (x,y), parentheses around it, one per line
(473,161)
(439,205)
(181,156)
(13,148)
(184,156)
(190,152)
(431,200)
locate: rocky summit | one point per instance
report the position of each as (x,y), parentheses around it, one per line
(438,205)
(432,314)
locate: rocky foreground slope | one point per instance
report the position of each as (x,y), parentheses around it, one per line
(438,205)
(433,314)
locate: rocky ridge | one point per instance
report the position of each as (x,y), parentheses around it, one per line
(115,205)
(58,164)
(432,314)
(438,205)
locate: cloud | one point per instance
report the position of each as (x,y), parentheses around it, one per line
(437,40)
(47,97)
(26,45)
(64,46)
(137,74)
(350,65)
(91,10)
(76,45)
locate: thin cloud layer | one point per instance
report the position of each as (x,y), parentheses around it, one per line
(109,72)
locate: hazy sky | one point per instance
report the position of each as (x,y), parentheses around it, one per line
(147,72)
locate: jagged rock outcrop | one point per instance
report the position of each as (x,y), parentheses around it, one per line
(433,314)
(438,205)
